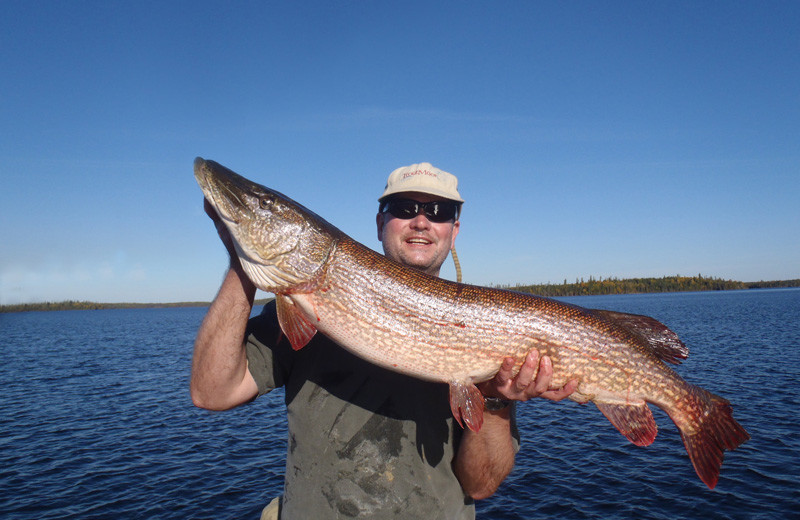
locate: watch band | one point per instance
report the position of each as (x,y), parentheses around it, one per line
(494,404)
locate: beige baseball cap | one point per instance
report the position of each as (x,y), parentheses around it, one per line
(422,178)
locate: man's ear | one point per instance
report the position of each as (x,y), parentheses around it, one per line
(379,220)
(456,227)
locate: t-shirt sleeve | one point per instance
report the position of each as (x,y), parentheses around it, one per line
(264,347)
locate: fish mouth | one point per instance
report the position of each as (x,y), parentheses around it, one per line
(228,199)
(221,190)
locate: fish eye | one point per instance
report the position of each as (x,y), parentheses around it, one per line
(265,202)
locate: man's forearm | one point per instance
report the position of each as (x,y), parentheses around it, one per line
(485,458)
(220,379)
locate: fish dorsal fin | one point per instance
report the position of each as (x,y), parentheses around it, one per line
(294,323)
(664,343)
(634,421)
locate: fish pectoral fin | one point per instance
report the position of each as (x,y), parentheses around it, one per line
(634,421)
(661,339)
(294,323)
(466,403)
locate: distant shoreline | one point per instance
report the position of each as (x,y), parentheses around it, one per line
(71,305)
(594,287)
(578,288)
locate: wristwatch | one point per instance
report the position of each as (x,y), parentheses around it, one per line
(494,404)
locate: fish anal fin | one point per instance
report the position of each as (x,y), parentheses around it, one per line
(298,329)
(664,343)
(466,403)
(634,421)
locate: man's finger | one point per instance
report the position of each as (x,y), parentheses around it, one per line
(504,374)
(528,371)
(561,393)
(544,376)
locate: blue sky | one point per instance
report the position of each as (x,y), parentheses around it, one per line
(604,139)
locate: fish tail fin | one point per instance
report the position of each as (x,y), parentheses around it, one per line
(466,403)
(707,435)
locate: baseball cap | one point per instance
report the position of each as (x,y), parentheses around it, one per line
(422,178)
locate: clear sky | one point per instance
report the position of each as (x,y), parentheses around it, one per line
(605,139)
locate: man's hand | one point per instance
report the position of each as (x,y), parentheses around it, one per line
(533,380)
(222,231)
(227,240)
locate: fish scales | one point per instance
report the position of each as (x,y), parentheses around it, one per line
(459,334)
(404,335)
(472,336)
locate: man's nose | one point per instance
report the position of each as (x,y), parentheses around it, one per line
(420,222)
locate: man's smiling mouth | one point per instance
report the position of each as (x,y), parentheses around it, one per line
(422,241)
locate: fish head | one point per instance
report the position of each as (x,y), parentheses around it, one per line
(281,245)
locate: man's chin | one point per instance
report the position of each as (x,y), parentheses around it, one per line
(419,260)
(426,267)
(420,264)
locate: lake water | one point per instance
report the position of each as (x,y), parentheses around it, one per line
(97,423)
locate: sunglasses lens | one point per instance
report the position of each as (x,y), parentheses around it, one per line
(436,211)
(440,212)
(404,209)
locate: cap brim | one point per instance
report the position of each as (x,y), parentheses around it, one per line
(421,189)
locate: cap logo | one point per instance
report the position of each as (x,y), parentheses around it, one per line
(419,172)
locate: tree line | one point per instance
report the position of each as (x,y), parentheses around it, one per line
(676,283)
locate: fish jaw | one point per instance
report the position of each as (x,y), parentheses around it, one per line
(281,245)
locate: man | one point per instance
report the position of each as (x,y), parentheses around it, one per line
(365,441)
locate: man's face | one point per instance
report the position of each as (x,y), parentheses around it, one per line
(417,242)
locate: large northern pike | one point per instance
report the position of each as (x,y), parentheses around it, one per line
(433,329)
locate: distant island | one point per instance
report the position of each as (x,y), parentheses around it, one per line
(580,287)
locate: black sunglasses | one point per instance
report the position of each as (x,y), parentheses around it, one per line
(435,211)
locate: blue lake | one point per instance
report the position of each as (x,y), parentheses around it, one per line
(97,423)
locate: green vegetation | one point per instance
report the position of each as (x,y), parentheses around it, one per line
(646,285)
(578,288)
